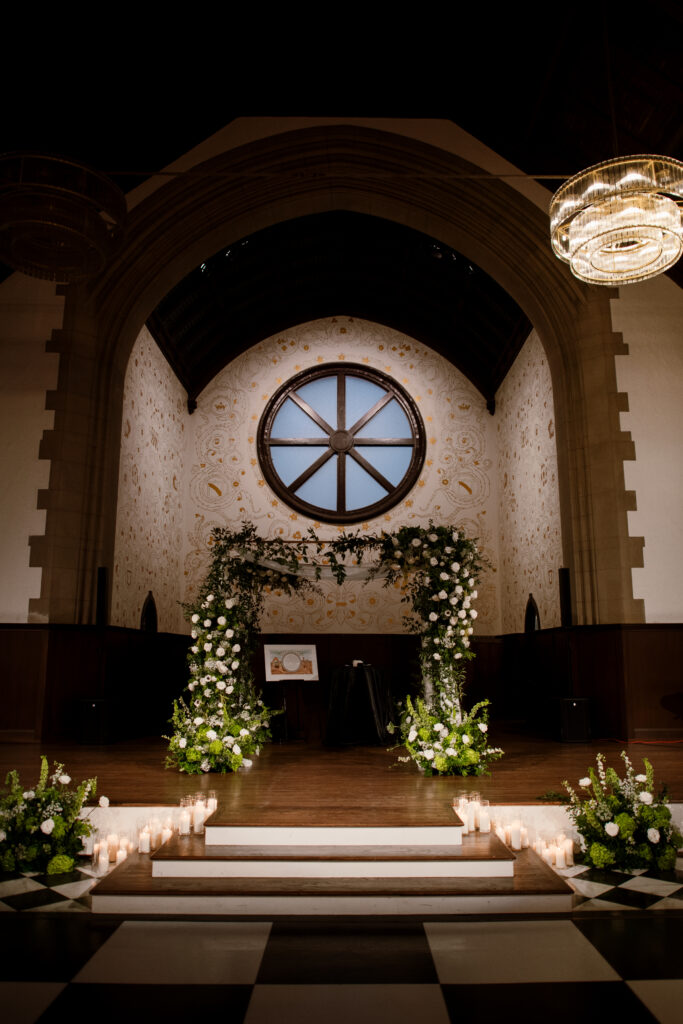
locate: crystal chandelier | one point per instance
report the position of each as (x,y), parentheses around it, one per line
(619,221)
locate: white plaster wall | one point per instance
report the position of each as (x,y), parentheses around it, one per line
(529,502)
(29,311)
(458,483)
(650,317)
(147,553)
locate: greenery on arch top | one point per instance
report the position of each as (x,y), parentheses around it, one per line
(222,722)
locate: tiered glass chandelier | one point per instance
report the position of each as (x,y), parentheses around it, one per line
(620,221)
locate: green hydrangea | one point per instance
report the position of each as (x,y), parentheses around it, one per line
(626,825)
(60,865)
(600,856)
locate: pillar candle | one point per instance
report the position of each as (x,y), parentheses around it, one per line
(484,820)
(525,837)
(462,811)
(103,858)
(121,855)
(198,818)
(472,815)
(516,835)
(569,852)
(166,834)
(212,803)
(507,835)
(184,822)
(560,861)
(547,856)
(500,832)
(144,843)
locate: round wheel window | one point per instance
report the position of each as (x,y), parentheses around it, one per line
(341,443)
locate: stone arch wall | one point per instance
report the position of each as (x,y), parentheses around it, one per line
(318,169)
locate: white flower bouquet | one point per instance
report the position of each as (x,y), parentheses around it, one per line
(621,822)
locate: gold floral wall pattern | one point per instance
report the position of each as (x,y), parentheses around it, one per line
(225,483)
(149,524)
(530,545)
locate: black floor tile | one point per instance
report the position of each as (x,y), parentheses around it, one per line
(665,876)
(638,946)
(34,898)
(63,879)
(558,1002)
(605,877)
(342,952)
(629,898)
(115,1003)
(49,947)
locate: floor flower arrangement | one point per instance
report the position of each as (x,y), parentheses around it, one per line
(622,823)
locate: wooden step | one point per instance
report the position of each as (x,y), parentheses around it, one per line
(132,889)
(189,857)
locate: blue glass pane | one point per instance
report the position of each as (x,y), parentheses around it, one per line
(361,395)
(290,462)
(291,421)
(321,395)
(391,421)
(361,489)
(392,463)
(321,488)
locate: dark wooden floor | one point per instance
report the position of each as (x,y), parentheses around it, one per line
(299,775)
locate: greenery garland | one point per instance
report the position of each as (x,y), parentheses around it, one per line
(222,722)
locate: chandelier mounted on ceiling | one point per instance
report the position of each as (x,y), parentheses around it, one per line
(619,221)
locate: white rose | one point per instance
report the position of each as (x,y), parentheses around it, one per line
(438,727)
(182,743)
(458,589)
(466,740)
(453,600)
(462,614)
(474,594)
(221,620)
(450,752)
(428,754)
(473,613)
(645,797)
(193,634)
(433,561)
(191,686)
(220,651)
(211,735)
(195,617)
(207,693)
(433,616)
(236,649)
(416,542)
(208,646)
(207,623)
(458,654)
(483,726)
(3,835)
(198,721)
(246,762)
(412,736)
(231,602)
(47,826)
(29,794)
(209,597)
(585,782)
(469,631)
(641,778)
(611,828)
(244,732)
(230,633)
(220,685)
(433,538)
(653,835)
(229,689)
(442,595)
(104,801)
(436,657)
(466,603)
(444,576)
(235,665)
(236,749)
(455,566)
(195,650)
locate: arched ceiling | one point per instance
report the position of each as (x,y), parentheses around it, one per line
(339,263)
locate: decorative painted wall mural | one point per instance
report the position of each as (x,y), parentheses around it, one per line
(530,545)
(149,518)
(226,486)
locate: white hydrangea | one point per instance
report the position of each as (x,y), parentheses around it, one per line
(641,778)
(198,721)
(585,782)
(211,735)
(29,794)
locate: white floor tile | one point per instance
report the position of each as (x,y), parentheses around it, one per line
(590,889)
(667,904)
(75,889)
(18,885)
(652,885)
(179,953)
(663,997)
(603,905)
(342,1004)
(498,952)
(23,1002)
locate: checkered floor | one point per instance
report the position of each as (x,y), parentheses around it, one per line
(596,890)
(623,966)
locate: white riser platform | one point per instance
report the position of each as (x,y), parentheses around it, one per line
(332,869)
(229,835)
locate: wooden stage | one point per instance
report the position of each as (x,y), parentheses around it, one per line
(290,776)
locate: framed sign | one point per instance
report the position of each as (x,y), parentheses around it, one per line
(290,661)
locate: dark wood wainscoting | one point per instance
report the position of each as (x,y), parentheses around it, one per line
(98,684)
